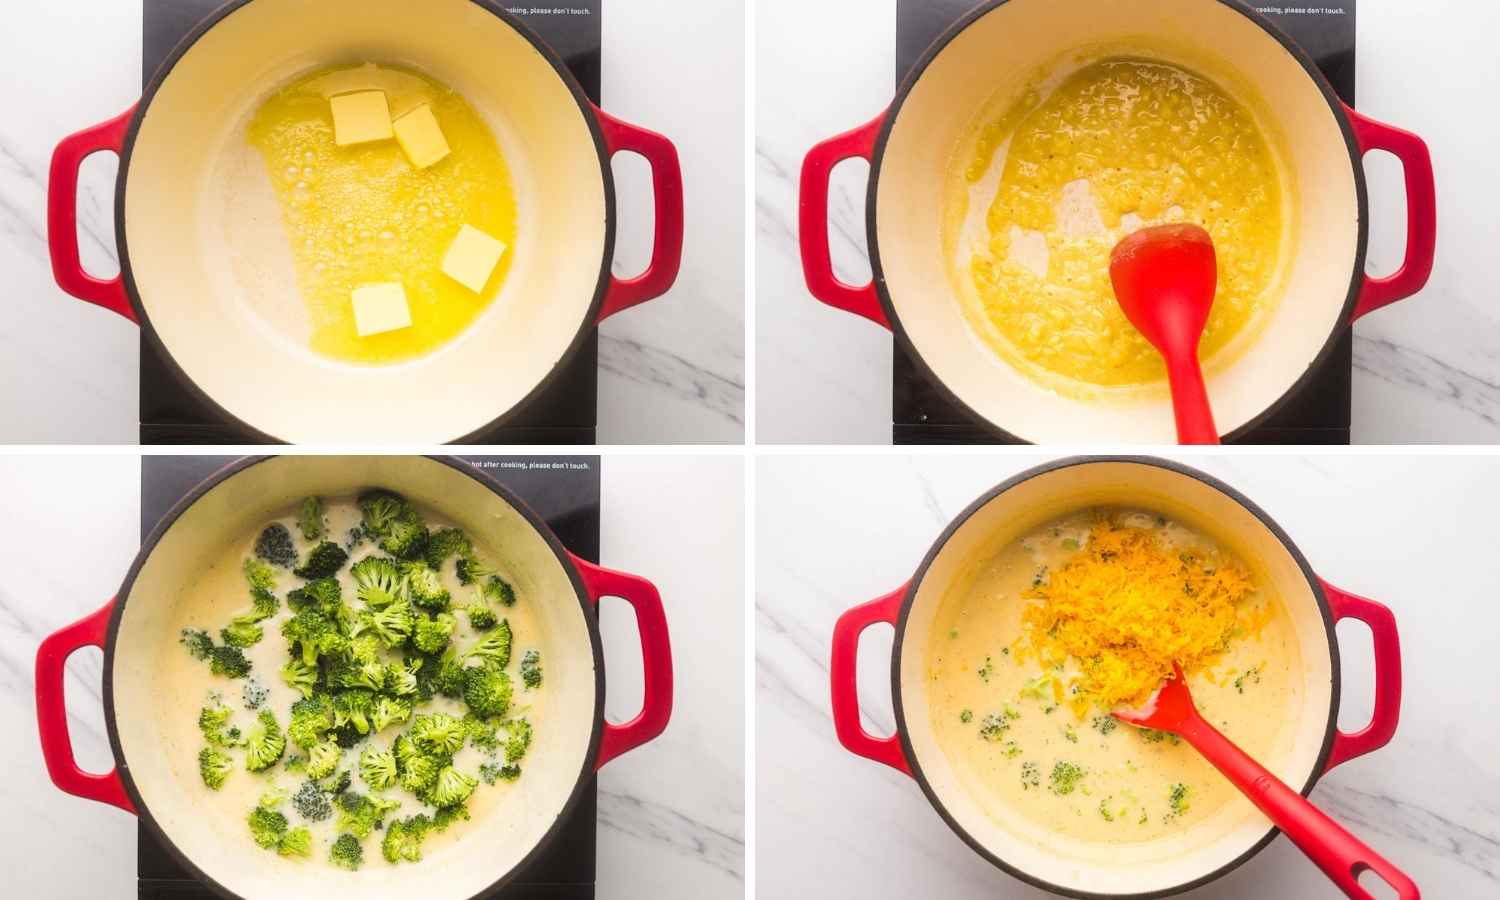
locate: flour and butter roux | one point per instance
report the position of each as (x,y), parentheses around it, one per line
(1012,723)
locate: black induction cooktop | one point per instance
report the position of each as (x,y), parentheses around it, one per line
(568,500)
(564,413)
(1317,414)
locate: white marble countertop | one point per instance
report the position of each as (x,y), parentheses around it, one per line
(671,814)
(1414,533)
(671,371)
(1426,371)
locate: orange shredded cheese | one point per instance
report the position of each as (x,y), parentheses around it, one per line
(1126,606)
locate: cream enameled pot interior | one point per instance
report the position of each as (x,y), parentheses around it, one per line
(1120,868)
(997,54)
(166,777)
(206,247)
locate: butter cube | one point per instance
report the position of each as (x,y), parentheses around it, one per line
(421,138)
(472,258)
(379,308)
(360,118)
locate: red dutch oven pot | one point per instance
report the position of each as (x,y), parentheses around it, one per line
(1209,849)
(159,782)
(992,52)
(181,275)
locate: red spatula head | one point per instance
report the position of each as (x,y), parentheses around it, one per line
(1168,709)
(1165,279)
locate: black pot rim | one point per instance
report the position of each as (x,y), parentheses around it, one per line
(1336,106)
(127,273)
(1265,519)
(590,617)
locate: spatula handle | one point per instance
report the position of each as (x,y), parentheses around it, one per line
(1342,856)
(1195,419)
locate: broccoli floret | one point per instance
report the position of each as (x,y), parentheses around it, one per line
(312,719)
(351,672)
(489,772)
(487,690)
(448,815)
(338,784)
(407,536)
(438,733)
(446,543)
(361,815)
(471,570)
(267,826)
(432,633)
(214,765)
(323,759)
(353,707)
(260,574)
(297,842)
(242,632)
(378,581)
(481,732)
(310,519)
(323,561)
(393,625)
(493,648)
(213,721)
(378,768)
(378,509)
(1065,778)
(228,662)
(403,839)
(448,676)
(264,605)
(315,633)
(199,645)
(301,676)
(265,743)
(510,773)
(323,594)
(401,680)
(311,803)
(518,739)
(255,694)
(531,669)
(426,588)
(498,590)
(275,546)
(481,617)
(1178,799)
(346,852)
(389,711)
(453,787)
(418,775)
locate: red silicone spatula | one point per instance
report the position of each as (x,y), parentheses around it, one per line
(1165,278)
(1341,855)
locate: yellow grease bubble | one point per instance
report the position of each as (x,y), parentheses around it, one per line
(363,214)
(1153,140)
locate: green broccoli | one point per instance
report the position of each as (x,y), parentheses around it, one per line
(346,852)
(447,815)
(425,587)
(531,669)
(353,707)
(312,719)
(323,561)
(406,537)
(323,594)
(301,676)
(487,690)
(378,509)
(432,633)
(1105,724)
(418,775)
(275,546)
(323,759)
(267,826)
(378,582)
(263,606)
(199,645)
(393,624)
(241,632)
(448,676)
(498,590)
(438,733)
(446,543)
(265,743)
(482,733)
(311,803)
(494,648)
(228,662)
(470,570)
(361,815)
(401,680)
(518,739)
(213,721)
(316,634)
(452,788)
(403,839)
(260,574)
(481,617)
(1178,799)
(297,842)
(378,768)
(389,711)
(214,765)
(310,519)
(339,783)
(1065,778)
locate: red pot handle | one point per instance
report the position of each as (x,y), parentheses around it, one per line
(1421,212)
(817,259)
(1387,712)
(843,669)
(62,214)
(52,712)
(656,655)
(666,182)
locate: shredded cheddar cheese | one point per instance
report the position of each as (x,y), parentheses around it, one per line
(1126,606)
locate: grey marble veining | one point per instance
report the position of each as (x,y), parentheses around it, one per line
(671,813)
(1426,370)
(671,371)
(1412,532)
